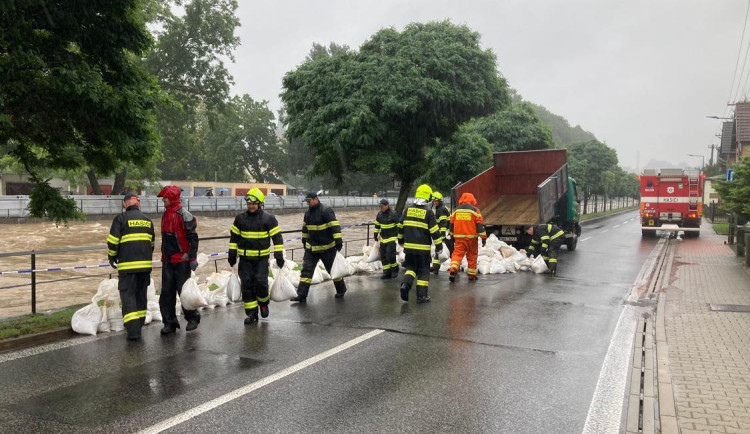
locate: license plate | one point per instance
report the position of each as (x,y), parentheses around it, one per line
(650,222)
(508,238)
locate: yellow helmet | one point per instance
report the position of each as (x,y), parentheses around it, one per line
(437,196)
(255,196)
(423,192)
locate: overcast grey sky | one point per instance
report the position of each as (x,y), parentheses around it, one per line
(639,74)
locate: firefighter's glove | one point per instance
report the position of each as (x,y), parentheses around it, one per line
(193,265)
(376,238)
(113,263)
(439,248)
(232,259)
(279,259)
(339,245)
(484,242)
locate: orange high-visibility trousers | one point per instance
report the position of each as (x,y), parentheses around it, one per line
(468,247)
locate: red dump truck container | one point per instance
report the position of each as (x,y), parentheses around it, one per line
(525,187)
(671,200)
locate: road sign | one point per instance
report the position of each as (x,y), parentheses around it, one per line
(730,174)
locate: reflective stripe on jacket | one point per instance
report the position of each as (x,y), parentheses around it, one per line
(320,229)
(386,224)
(418,229)
(251,235)
(131,241)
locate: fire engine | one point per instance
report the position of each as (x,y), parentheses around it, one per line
(671,201)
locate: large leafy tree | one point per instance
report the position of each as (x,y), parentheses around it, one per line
(463,156)
(382,108)
(592,164)
(515,128)
(74,93)
(736,194)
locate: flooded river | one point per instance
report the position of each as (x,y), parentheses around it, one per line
(65,288)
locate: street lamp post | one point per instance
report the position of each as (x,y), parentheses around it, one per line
(703,160)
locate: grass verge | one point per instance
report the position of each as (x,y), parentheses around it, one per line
(40,322)
(608,212)
(721,228)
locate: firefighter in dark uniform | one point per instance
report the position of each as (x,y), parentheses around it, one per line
(250,238)
(417,230)
(546,240)
(130,246)
(443,219)
(321,236)
(386,232)
(179,251)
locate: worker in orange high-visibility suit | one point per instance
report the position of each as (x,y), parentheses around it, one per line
(467,227)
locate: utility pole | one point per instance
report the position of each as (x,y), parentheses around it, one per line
(712,147)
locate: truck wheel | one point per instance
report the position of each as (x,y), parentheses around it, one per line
(571,243)
(647,234)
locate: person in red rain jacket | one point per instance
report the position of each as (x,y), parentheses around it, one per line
(179,250)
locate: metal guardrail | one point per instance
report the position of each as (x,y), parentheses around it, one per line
(17,206)
(33,271)
(600,204)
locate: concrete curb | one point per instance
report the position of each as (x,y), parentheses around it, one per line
(667,416)
(21,342)
(584,222)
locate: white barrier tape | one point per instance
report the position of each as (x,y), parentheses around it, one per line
(88,267)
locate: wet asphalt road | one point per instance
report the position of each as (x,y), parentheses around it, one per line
(512,353)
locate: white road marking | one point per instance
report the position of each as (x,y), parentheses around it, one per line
(615,227)
(584,239)
(242,391)
(605,230)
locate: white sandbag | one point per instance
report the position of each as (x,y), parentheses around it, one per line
(154,310)
(538,265)
(446,265)
(486,251)
(497,267)
(317,276)
(444,254)
(341,267)
(519,257)
(151,292)
(508,251)
(399,248)
(234,288)
(323,272)
(217,288)
(510,265)
(202,259)
(401,257)
(524,264)
(103,322)
(86,320)
(294,276)
(203,288)
(483,267)
(149,317)
(282,288)
(106,290)
(493,243)
(114,315)
(354,259)
(191,297)
(374,253)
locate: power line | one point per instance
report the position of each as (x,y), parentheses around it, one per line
(739,52)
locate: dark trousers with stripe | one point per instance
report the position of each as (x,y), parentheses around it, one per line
(550,256)
(388,257)
(417,269)
(133,288)
(309,262)
(173,276)
(254,281)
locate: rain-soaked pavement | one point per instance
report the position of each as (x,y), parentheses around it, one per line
(516,353)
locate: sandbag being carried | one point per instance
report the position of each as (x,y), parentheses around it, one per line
(234,288)
(341,267)
(202,259)
(538,265)
(191,297)
(282,288)
(86,320)
(154,310)
(374,254)
(217,288)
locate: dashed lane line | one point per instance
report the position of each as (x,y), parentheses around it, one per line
(584,239)
(242,391)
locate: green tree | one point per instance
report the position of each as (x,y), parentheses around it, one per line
(588,161)
(244,142)
(562,133)
(381,109)
(459,159)
(736,194)
(74,93)
(515,128)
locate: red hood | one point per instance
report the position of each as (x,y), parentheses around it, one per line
(467,198)
(171,192)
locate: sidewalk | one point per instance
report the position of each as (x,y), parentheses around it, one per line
(708,351)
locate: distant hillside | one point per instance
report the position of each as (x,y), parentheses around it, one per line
(562,132)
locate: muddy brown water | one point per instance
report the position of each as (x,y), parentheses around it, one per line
(51,294)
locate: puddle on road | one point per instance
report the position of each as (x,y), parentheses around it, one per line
(103,399)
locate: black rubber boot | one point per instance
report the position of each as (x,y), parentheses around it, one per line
(452,276)
(191,325)
(264,311)
(405,291)
(168,329)
(299,299)
(422,296)
(394,272)
(386,274)
(251,318)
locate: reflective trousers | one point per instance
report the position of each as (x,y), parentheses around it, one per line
(133,288)
(468,247)
(173,276)
(309,263)
(388,257)
(253,275)
(417,267)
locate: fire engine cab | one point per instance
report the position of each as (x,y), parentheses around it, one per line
(671,201)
